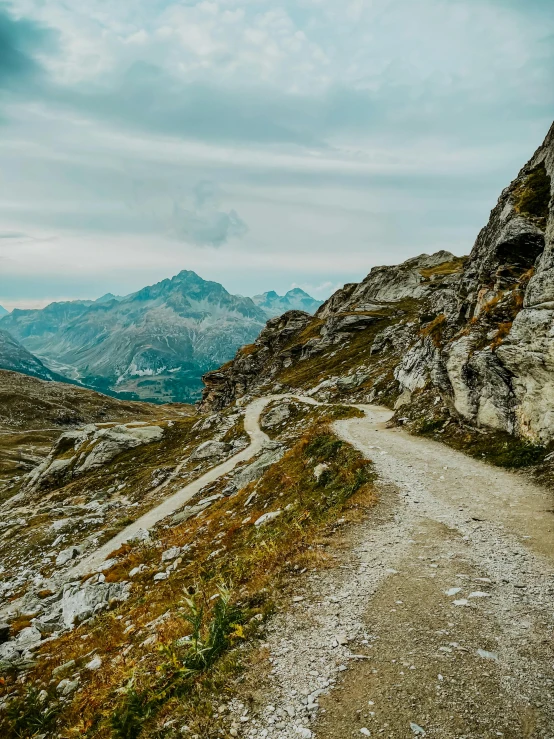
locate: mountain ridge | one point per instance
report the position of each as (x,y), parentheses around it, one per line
(153,344)
(474,332)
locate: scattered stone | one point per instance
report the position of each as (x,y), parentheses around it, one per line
(66,555)
(320,469)
(209,450)
(479,594)
(66,687)
(266,517)
(417,729)
(94,664)
(160,576)
(170,554)
(62,669)
(137,570)
(487,655)
(452,591)
(460,602)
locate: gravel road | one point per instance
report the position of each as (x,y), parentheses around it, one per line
(437,620)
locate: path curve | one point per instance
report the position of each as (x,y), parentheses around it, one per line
(176,501)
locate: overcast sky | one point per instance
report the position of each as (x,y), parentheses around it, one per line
(261,143)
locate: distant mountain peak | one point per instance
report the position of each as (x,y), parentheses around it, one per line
(108,297)
(295,299)
(3,311)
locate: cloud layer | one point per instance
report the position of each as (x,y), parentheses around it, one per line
(333,135)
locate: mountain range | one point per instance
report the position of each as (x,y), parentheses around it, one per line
(3,312)
(152,345)
(295,299)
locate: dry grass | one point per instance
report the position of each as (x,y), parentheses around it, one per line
(434,329)
(444,269)
(220,546)
(503,331)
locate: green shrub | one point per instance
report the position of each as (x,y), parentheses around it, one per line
(532,196)
(27,715)
(209,640)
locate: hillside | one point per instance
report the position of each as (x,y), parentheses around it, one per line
(34,412)
(14,357)
(152,345)
(440,338)
(302,554)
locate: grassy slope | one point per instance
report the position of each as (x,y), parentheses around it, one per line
(33,413)
(169,682)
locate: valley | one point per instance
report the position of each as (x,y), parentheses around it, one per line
(349,534)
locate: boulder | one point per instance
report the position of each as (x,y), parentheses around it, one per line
(275,416)
(66,555)
(77,452)
(80,602)
(209,450)
(257,468)
(267,517)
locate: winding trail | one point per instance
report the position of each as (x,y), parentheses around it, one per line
(176,501)
(436,619)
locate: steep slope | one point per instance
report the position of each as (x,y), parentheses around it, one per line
(444,338)
(295,299)
(14,357)
(3,312)
(153,345)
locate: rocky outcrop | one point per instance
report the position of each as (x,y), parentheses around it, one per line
(479,330)
(501,371)
(78,452)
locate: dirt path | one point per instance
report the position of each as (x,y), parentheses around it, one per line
(438,618)
(176,501)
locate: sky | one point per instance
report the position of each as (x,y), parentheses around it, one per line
(264,144)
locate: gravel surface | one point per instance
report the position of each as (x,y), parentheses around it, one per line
(467,551)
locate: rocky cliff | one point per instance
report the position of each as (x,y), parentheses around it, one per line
(474,335)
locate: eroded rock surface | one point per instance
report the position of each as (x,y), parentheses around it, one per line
(478,330)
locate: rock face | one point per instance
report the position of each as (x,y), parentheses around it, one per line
(479,331)
(77,452)
(152,345)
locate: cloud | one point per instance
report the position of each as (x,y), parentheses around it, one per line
(20,40)
(344,134)
(203,223)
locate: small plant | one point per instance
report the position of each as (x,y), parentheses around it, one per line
(29,715)
(208,642)
(127,720)
(532,196)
